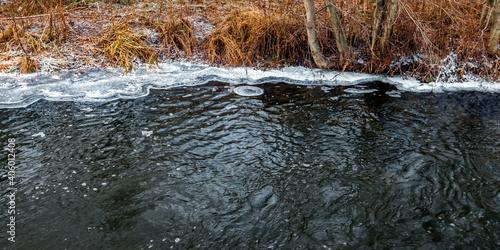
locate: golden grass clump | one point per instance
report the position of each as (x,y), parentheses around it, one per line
(27,65)
(9,33)
(17,38)
(121,45)
(6,61)
(177,35)
(56,29)
(29,7)
(245,38)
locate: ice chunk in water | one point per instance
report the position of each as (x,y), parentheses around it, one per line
(41,134)
(147,133)
(359,91)
(248,91)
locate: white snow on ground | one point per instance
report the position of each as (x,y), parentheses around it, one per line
(111,84)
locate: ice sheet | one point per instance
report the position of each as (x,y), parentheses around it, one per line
(98,85)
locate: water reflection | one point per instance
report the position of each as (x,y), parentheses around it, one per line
(295,168)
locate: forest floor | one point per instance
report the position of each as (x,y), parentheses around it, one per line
(267,34)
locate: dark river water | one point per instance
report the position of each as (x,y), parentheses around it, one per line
(295,168)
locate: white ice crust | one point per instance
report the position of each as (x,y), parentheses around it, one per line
(100,85)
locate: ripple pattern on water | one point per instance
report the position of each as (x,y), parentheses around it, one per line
(293,168)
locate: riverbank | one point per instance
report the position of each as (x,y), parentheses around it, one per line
(79,35)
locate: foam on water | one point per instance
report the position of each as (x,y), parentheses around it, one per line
(99,85)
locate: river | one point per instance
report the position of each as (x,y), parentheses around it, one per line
(295,167)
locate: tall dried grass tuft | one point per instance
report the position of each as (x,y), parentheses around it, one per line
(177,35)
(54,32)
(27,65)
(56,29)
(9,33)
(16,38)
(121,45)
(245,38)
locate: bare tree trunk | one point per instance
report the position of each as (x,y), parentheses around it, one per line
(485,12)
(495,29)
(312,37)
(384,16)
(338,30)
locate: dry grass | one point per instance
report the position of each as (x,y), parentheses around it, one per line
(6,62)
(27,65)
(122,45)
(438,28)
(56,29)
(245,38)
(14,37)
(9,33)
(267,33)
(20,34)
(425,32)
(177,35)
(35,7)
(29,7)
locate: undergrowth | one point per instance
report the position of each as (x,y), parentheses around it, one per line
(427,35)
(27,64)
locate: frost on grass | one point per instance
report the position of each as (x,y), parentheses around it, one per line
(448,69)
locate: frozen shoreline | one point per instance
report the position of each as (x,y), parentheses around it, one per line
(100,85)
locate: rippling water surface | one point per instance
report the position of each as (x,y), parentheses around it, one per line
(294,168)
